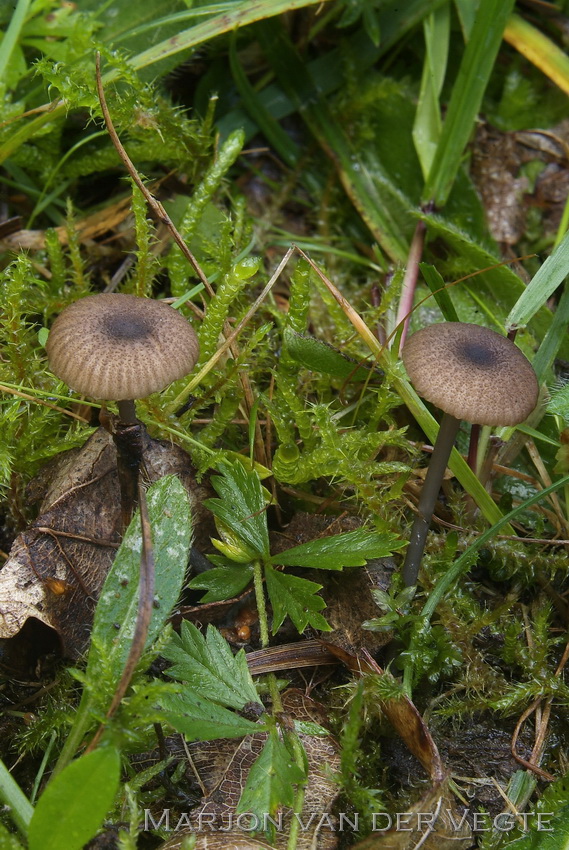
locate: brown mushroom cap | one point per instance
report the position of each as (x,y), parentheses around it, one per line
(472,373)
(119,347)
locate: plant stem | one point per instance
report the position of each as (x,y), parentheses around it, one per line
(261,606)
(439,459)
(83,721)
(410,280)
(21,810)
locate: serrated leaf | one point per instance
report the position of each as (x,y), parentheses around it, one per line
(241,505)
(297,598)
(271,780)
(74,804)
(115,616)
(222,582)
(199,719)
(351,549)
(208,666)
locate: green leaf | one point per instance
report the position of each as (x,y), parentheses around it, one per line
(239,16)
(373,187)
(15,801)
(551,275)
(321,357)
(427,126)
(241,505)
(115,616)
(207,665)
(72,807)
(351,549)
(201,720)
(468,90)
(272,779)
(297,598)
(437,286)
(222,582)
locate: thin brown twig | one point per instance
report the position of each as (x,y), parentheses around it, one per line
(524,762)
(154,204)
(163,216)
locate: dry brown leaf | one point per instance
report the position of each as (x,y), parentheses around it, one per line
(223,766)
(87,228)
(57,566)
(401,713)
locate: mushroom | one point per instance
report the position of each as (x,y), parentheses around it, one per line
(119,348)
(470,373)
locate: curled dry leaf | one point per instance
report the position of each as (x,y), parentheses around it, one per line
(57,566)
(401,713)
(222,767)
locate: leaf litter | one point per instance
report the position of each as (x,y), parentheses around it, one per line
(57,566)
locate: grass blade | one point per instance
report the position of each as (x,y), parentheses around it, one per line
(539,49)
(468,90)
(543,284)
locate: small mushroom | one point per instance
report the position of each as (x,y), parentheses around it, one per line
(470,373)
(119,348)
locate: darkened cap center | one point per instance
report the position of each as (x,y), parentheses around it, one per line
(479,355)
(126,326)
(472,373)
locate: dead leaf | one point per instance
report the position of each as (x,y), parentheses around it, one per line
(401,713)
(57,566)
(91,227)
(222,767)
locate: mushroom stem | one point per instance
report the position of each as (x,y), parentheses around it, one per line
(128,443)
(473,447)
(427,500)
(127,412)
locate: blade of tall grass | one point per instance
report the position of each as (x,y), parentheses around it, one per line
(428,124)
(468,90)
(553,339)
(551,275)
(281,141)
(12,34)
(539,50)
(437,286)
(244,13)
